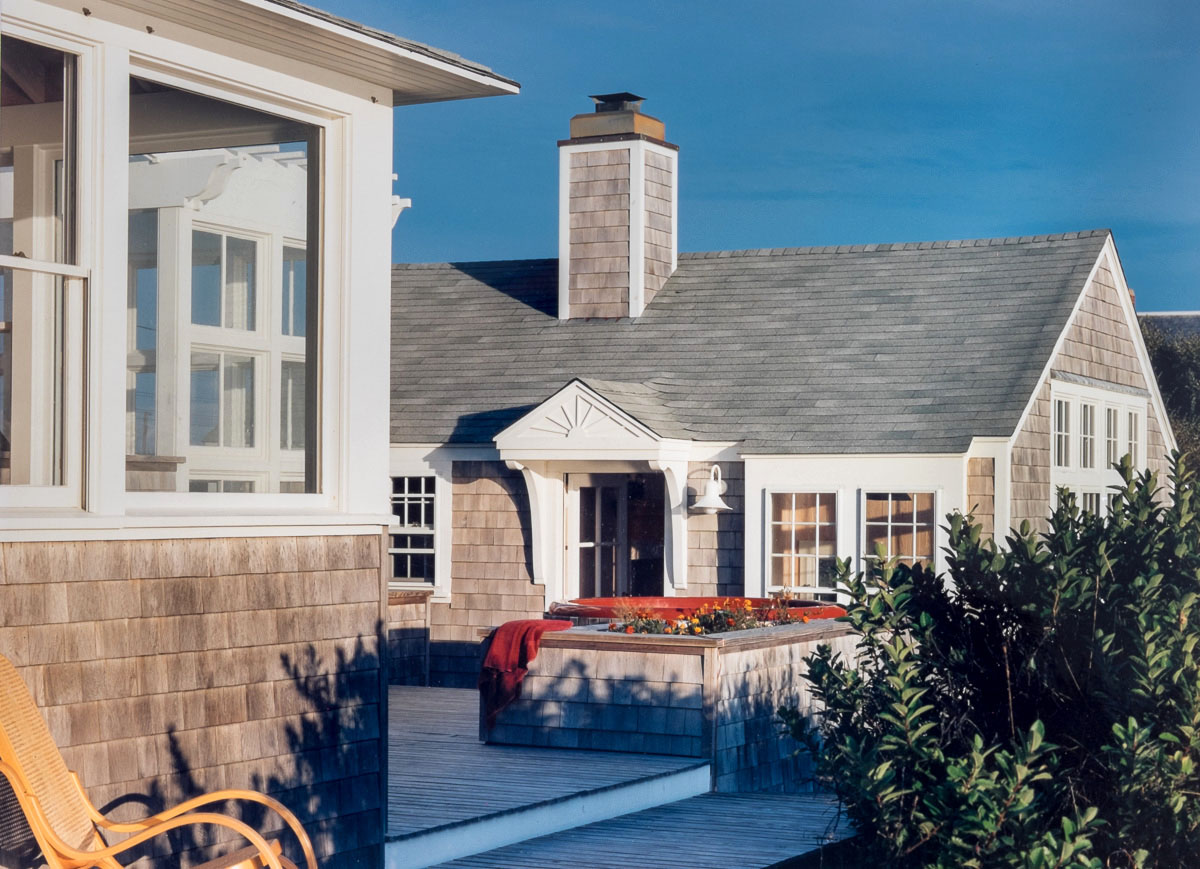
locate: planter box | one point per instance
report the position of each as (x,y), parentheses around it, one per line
(712,697)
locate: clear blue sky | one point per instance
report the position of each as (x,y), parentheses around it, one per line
(806,123)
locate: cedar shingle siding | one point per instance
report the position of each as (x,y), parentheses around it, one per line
(491,581)
(166,668)
(1098,345)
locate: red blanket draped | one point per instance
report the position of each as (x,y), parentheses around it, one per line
(514,645)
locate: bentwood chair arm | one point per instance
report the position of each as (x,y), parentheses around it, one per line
(195,802)
(76,859)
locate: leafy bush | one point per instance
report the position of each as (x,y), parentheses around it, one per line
(1176,362)
(1038,707)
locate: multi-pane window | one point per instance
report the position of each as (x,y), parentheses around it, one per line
(902,523)
(1062,433)
(412,550)
(804,540)
(221,371)
(1089,502)
(1112,438)
(1134,439)
(1087,435)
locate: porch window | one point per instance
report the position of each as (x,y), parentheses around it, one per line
(412,541)
(222,354)
(901,524)
(804,542)
(41,288)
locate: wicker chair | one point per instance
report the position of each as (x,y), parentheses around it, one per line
(68,828)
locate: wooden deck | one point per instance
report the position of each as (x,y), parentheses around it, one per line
(439,774)
(714,831)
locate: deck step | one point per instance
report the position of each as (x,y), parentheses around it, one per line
(482,833)
(713,831)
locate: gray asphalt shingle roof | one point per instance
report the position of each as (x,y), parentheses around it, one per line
(902,348)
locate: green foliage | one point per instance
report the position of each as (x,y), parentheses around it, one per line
(1037,707)
(1176,363)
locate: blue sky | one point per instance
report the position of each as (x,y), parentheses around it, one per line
(825,123)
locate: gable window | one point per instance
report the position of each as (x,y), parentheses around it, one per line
(222,354)
(803,538)
(1062,433)
(412,538)
(1087,435)
(901,524)
(1112,439)
(1121,412)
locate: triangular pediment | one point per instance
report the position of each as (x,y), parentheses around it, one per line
(577,418)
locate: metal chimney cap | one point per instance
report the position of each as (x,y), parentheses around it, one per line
(621,102)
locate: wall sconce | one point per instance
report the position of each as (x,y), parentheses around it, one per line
(710,502)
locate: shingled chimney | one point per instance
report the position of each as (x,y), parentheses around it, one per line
(618,201)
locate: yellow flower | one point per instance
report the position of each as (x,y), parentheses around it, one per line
(697,630)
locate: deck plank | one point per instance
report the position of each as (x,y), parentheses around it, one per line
(439,774)
(713,831)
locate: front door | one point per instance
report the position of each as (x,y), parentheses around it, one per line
(597,535)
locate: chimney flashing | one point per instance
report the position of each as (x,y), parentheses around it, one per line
(617,137)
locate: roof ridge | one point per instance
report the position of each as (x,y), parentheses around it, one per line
(895,246)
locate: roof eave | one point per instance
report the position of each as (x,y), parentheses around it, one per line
(414,73)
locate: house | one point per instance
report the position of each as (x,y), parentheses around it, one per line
(554,420)
(195,214)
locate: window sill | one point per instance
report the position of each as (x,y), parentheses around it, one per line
(77,525)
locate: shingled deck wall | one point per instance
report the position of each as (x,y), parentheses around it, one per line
(167,668)
(1098,345)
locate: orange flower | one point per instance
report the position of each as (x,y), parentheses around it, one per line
(697,630)
(629,629)
(729,622)
(804,619)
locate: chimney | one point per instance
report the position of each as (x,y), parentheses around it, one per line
(618,201)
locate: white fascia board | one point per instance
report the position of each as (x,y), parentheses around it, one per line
(1139,343)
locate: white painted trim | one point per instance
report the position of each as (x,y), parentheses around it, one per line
(540,819)
(58,526)
(637,228)
(42,267)
(1139,344)
(564,233)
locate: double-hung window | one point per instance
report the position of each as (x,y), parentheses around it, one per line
(1062,433)
(413,525)
(1087,435)
(42,288)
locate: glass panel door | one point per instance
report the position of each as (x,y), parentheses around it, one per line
(598,542)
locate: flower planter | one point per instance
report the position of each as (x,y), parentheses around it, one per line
(712,697)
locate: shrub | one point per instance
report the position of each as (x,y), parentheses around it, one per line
(1040,706)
